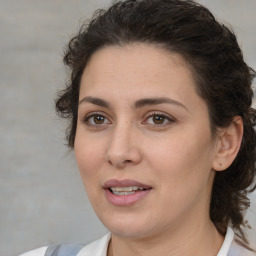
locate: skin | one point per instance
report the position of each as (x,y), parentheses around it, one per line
(176,157)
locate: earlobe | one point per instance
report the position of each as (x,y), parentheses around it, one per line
(228,144)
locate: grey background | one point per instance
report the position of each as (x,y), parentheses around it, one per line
(42,200)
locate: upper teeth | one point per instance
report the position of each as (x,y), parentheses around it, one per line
(125,189)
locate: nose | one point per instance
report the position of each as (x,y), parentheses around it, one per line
(123,147)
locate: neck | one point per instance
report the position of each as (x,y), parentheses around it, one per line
(200,239)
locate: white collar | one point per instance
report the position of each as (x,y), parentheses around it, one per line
(227,243)
(99,247)
(96,248)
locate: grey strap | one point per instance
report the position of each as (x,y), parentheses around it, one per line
(63,250)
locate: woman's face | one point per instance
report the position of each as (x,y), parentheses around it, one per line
(143,142)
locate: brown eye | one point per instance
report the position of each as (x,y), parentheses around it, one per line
(158,119)
(98,119)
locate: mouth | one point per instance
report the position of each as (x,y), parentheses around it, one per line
(125,192)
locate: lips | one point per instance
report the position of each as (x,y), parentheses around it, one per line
(124,183)
(125,192)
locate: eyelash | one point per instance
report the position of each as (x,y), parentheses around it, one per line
(166,117)
(86,120)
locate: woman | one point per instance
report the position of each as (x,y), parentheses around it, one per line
(159,103)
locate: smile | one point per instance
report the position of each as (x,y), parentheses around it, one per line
(125,192)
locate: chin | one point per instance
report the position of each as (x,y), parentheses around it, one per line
(128,225)
(129,232)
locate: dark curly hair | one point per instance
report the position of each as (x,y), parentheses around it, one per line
(222,79)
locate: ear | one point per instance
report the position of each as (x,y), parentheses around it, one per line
(228,144)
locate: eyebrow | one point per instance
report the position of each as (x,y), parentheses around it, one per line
(95,101)
(156,101)
(138,104)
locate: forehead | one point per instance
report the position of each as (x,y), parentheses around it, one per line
(136,66)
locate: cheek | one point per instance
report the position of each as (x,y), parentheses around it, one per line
(89,157)
(89,161)
(183,157)
(182,167)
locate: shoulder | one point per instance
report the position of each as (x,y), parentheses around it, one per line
(96,248)
(37,252)
(231,248)
(238,250)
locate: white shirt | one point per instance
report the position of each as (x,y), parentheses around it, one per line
(99,247)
